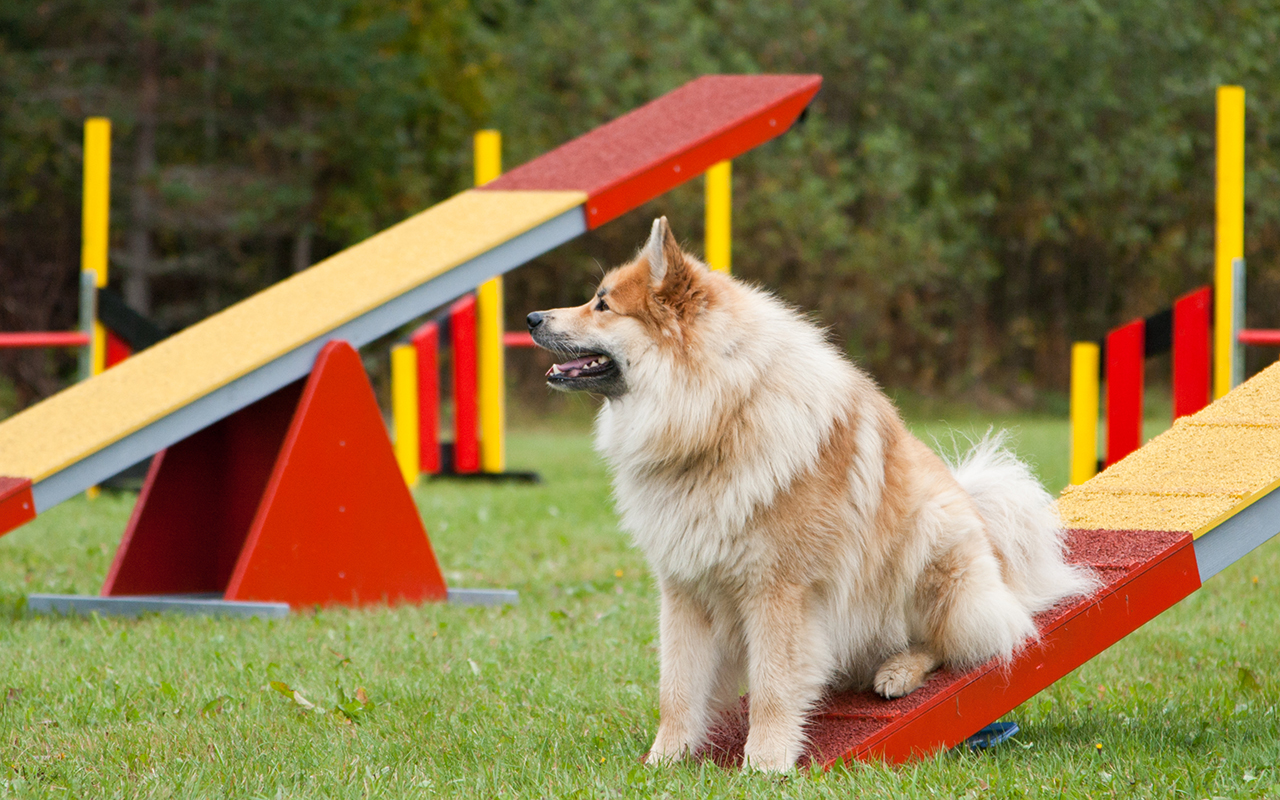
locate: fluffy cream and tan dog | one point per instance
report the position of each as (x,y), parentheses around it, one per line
(801,537)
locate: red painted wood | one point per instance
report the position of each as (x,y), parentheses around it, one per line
(466,411)
(518,339)
(668,141)
(117,349)
(1124,374)
(1142,572)
(1260,337)
(1192,334)
(198,501)
(17,506)
(336,523)
(426,341)
(295,498)
(1093,627)
(44,339)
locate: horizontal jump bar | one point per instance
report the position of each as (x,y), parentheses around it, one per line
(517,339)
(44,339)
(1262,337)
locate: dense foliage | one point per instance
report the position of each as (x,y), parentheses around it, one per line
(978,183)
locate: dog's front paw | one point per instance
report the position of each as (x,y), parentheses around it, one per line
(900,675)
(763,755)
(667,749)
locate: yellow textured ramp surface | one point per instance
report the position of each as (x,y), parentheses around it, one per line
(1194,475)
(91,415)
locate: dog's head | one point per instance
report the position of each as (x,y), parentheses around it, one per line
(650,302)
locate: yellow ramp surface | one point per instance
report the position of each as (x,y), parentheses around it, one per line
(1203,470)
(95,413)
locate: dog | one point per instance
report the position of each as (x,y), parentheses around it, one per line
(802,539)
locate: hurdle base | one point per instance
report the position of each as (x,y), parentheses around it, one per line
(494,477)
(449,469)
(483,597)
(209,604)
(197,604)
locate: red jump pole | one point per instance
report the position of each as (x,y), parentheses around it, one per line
(1125,356)
(466,415)
(44,339)
(426,340)
(1260,337)
(1192,320)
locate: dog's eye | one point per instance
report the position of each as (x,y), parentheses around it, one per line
(602,305)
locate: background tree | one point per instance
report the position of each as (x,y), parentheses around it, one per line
(978,183)
(251,137)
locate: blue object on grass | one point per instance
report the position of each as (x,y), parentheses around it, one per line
(992,735)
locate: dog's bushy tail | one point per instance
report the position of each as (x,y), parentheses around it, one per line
(1023,524)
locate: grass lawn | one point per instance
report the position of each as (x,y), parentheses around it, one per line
(556,697)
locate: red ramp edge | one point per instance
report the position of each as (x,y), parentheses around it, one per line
(664,143)
(1143,573)
(17,506)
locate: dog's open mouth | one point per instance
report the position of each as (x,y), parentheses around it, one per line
(587,366)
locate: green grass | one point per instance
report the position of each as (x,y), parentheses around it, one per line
(556,697)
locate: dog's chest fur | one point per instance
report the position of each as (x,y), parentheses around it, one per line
(701,448)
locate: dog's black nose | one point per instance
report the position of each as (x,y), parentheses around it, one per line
(534,319)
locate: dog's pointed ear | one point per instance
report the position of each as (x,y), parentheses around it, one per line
(667,262)
(655,250)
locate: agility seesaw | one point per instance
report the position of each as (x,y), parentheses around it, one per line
(1155,526)
(276,479)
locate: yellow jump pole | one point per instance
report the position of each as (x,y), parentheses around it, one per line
(95,225)
(1084,411)
(490,390)
(719,211)
(404,409)
(1228,238)
(94,240)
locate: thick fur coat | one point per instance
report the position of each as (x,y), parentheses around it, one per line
(801,537)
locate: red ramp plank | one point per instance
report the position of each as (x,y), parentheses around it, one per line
(1144,573)
(640,155)
(16,504)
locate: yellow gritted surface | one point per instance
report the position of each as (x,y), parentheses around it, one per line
(1204,469)
(88,416)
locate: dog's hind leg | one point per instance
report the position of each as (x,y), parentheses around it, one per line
(789,663)
(689,664)
(903,673)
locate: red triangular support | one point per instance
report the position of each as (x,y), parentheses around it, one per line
(296,498)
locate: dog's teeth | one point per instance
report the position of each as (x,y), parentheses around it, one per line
(593,364)
(603,360)
(555,369)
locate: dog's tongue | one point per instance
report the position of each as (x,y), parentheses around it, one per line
(577,363)
(571,368)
